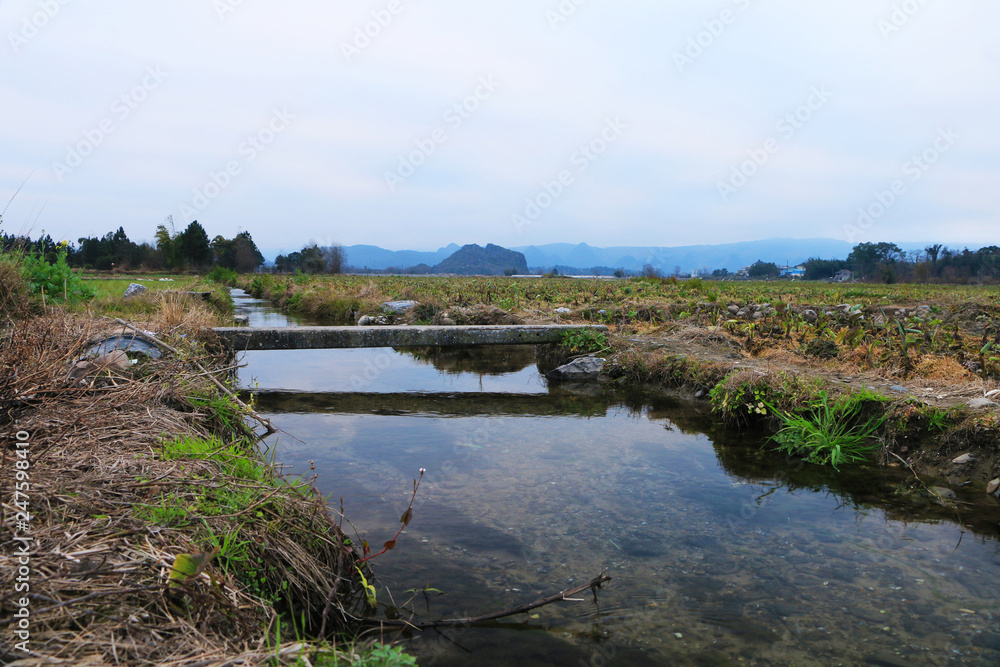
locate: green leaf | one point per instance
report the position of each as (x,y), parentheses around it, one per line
(188,567)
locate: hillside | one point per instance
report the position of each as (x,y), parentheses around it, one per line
(473,260)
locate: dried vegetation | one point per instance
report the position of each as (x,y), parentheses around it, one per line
(131,468)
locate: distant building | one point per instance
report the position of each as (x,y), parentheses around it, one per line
(792,271)
(843,276)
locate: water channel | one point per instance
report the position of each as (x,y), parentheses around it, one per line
(721,551)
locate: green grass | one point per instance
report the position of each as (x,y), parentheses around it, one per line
(115,287)
(237,461)
(829,434)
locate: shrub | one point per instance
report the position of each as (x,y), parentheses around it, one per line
(55,282)
(223,276)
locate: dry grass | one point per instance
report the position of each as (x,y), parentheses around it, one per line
(180,311)
(110,512)
(15,299)
(933,367)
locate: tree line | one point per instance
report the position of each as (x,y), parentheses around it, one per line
(188,249)
(888,263)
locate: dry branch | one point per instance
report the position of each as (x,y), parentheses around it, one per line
(561,596)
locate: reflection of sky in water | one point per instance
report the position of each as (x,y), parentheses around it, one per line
(378,370)
(707,568)
(526,504)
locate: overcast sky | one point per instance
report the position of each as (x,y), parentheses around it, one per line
(414,124)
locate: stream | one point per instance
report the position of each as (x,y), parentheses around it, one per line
(721,551)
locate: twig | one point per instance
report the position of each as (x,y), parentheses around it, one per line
(593,585)
(266,423)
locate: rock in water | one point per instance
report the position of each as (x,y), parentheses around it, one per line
(134,289)
(963,459)
(993,486)
(943,493)
(585,369)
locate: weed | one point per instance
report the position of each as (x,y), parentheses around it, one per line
(57,282)
(584,341)
(828,434)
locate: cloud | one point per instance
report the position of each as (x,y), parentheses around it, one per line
(359,114)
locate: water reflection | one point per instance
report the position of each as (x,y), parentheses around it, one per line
(722,552)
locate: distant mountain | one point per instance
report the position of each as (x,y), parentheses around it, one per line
(732,256)
(379,259)
(582,257)
(473,260)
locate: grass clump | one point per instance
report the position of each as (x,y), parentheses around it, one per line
(832,434)
(585,341)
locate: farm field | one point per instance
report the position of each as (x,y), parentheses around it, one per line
(926,357)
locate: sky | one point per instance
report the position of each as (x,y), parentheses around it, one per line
(412,124)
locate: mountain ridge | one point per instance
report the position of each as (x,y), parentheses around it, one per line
(731,256)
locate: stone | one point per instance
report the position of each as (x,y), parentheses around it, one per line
(809,315)
(81,369)
(733,309)
(241,319)
(398,307)
(585,369)
(943,493)
(758,315)
(879,321)
(992,487)
(963,459)
(446,322)
(372,321)
(700,393)
(602,312)
(898,388)
(134,289)
(115,359)
(324,338)
(982,404)
(563,311)
(742,312)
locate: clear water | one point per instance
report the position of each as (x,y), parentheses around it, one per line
(721,552)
